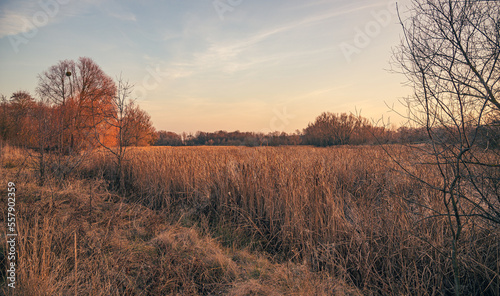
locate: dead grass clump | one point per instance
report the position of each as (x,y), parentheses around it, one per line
(195,265)
(261,277)
(12,157)
(252,288)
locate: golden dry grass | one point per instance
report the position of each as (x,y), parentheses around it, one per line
(248,221)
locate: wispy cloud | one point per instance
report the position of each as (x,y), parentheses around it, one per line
(264,55)
(124,16)
(230,55)
(354,6)
(16,19)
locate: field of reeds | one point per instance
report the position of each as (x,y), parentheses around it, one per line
(241,221)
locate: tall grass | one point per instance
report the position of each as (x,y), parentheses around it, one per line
(124,248)
(244,221)
(345,210)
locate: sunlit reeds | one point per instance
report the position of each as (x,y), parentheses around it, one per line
(237,221)
(347,210)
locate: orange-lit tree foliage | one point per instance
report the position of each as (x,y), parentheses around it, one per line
(81,95)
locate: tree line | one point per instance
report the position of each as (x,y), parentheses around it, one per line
(329,129)
(76,107)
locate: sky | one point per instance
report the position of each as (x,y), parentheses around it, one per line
(211,65)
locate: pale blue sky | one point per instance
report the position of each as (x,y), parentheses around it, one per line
(211,65)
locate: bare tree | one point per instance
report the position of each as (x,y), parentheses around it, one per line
(450,55)
(334,129)
(119,124)
(5,122)
(22,105)
(139,130)
(82,95)
(54,87)
(44,131)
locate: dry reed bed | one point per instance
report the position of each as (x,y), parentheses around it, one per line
(128,249)
(346,210)
(326,217)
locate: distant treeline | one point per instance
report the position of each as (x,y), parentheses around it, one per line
(328,129)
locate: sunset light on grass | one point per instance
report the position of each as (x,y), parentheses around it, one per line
(237,147)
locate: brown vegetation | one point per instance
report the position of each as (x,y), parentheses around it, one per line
(124,248)
(246,221)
